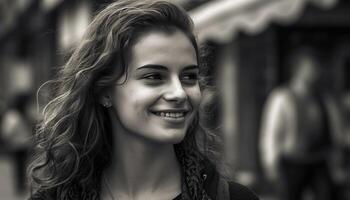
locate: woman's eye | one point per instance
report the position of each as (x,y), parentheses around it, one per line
(153,77)
(190,78)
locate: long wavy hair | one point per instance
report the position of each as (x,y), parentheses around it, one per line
(73,140)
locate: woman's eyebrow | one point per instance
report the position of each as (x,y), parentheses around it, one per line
(190,67)
(161,67)
(151,66)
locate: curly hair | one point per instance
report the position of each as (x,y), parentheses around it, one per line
(73,140)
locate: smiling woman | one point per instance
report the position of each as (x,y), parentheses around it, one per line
(161,95)
(123,121)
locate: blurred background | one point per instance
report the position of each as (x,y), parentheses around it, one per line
(256,48)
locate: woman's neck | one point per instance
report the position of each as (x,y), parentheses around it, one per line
(142,168)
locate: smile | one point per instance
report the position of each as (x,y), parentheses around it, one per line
(170,114)
(177,116)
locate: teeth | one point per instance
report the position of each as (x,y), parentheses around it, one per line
(170,114)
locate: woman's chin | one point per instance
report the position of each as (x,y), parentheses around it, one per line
(171,137)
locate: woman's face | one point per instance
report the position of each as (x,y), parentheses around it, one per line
(161,94)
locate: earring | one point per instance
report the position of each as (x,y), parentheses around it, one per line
(107,104)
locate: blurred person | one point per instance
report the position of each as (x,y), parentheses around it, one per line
(2,111)
(16,132)
(344,153)
(123,120)
(300,130)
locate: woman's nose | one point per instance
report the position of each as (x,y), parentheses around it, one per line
(175,92)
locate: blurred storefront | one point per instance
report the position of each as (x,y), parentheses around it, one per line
(252,41)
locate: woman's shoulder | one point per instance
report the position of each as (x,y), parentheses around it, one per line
(41,196)
(234,191)
(241,192)
(220,189)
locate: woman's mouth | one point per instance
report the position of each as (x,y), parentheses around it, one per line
(170,114)
(173,116)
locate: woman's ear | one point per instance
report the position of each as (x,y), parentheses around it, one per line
(106,99)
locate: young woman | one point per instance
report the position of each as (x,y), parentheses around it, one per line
(122,124)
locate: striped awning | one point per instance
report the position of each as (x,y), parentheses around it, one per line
(220,20)
(50,4)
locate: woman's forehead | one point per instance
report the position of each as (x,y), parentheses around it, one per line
(163,48)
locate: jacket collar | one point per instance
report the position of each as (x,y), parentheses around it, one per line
(211,179)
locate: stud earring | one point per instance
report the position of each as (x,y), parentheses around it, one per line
(107,104)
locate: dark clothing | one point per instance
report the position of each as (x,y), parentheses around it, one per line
(296,177)
(20,162)
(214,185)
(313,139)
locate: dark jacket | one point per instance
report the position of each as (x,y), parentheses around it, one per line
(219,189)
(215,186)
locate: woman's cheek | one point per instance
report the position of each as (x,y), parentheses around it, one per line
(195,96)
